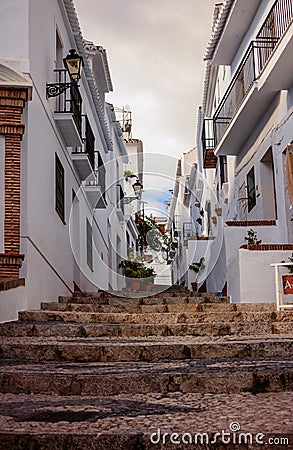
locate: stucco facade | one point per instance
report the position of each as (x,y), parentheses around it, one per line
(72,231)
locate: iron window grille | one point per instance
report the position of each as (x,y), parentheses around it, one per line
(59,189)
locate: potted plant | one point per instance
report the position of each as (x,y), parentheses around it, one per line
(288,279)
(197,267)
(132,270)
(252,242)
(148,278)
(136,273)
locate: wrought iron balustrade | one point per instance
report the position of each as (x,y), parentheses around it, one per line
(69,100)
(88,140)
(208,144)
(278,20)
(120,196)
(249,70)
(253,63)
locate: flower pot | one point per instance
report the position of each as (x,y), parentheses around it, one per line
(148,287)
(218,211)
(287,284)
(194,286)
(134,284)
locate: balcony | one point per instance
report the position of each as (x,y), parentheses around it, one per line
(262,73)
(94,193)
(67,113)
(83,157)
(208,145)
(120,202)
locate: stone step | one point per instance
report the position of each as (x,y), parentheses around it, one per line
(155,317)
(51,329)
(185,376)
(142,349)
(150,300)
(145,421)
(158,308)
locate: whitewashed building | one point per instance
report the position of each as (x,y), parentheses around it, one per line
(61,160)
(244,145)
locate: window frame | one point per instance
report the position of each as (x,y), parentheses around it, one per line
(59,189)
(251,189)
(89,244)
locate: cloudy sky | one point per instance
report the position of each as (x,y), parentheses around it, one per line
(155,52)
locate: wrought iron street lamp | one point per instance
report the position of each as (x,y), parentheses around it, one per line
(73,64)
(137,187)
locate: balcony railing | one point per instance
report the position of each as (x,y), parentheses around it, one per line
(249,70)
(70,100)
(208,145)
(120,195)
(84,155)
(278,20)
(253,63)
(89,142)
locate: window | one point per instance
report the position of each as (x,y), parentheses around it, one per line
(59,189)
(58,52)
(223,169)
(89,244)
(251,194)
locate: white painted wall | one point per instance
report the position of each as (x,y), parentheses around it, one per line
(234,239)
(11,302)
(49,267)
(261,288)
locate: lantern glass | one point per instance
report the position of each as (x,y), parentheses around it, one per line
(73,64)
(137,187)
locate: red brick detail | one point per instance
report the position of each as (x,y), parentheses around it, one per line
(6,284)
(251,223)
(12,194)
(210,159)
(267,247)
(11,128)
(12,102)
(10,264)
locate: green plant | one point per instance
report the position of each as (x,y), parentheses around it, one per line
(129,174)
(198,267)
(135,269)
(290,268)
(252,238)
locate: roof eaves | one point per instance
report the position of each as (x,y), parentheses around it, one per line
(220,17)
(74,23)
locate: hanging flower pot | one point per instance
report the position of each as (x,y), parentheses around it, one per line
(287,284)
(218,211)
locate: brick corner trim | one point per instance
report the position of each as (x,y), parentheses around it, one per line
(12,102)
(267,247)
(250,223)
(7,284)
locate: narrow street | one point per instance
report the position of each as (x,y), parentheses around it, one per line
(104,372)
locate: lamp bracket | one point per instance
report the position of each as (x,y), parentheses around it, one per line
(127,200)
(55,89)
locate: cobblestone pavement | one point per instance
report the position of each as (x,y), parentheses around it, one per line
(103,373)
(266,413)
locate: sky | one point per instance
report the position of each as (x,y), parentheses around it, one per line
(155,53)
